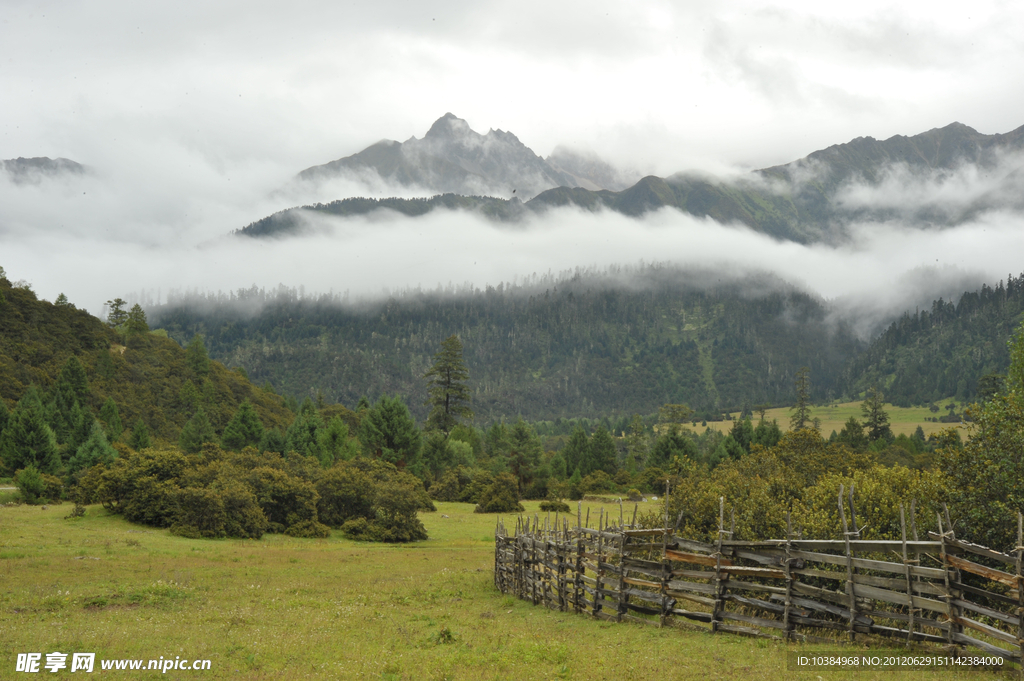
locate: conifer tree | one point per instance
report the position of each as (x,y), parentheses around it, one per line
(802,417)
(5,416)
(135,323)
(303,436)
(637,444)
(196,357)
(388,432)
(27,440)
(140,436)
(603,451)
(116,316)
(335,443)
(577,451)
(524,453)
(110,416)
(670,445)
(70,389)
(244,430)
(188,396)
(94,450)
(448,394)
(197,432)
(273,441)
(876,419)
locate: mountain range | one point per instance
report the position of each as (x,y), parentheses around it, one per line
(34,170)
(938,178)
(453,158)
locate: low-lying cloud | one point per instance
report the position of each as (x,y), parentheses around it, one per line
(97,237)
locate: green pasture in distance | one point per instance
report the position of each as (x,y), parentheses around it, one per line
(903,420)
(285,608)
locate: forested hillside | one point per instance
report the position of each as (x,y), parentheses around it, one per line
(145,373)
(931,354)
(615,343)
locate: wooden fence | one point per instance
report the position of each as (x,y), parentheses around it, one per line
(937,589)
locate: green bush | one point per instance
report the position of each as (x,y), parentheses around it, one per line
(345,492)
(501,497)
(598,481)
(555,506)
(309,529)
(635,495)
(29,482)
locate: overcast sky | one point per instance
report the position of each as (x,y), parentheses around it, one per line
(193,116)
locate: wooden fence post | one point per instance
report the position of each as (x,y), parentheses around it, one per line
(849,568)
(787,569)
(600,572)
(906,573)
(1020,589)
(716,609)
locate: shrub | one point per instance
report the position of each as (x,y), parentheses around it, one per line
(447,488)
(285,500)
(501,497)
(200,513)
(29,482)
(475,488)
(555,506)
(598,481)
(310,529)
(635,495)
(345,492)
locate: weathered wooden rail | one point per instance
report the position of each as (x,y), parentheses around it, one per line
(940,590)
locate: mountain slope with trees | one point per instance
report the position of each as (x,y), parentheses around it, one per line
(583,345)
(148,376)
(947,350)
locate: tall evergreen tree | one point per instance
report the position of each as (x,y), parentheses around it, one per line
(743,433)
(524,453)
(876,418)
(5,416)
(577,451)
(852,435)
(70,389)
(94,450)
(78,428)
(335,443)
(273,441)
(244,430)
(303,436)
(637,444)
(603,451)
(140,436)
(116,315)
(112,419)
(802,409)
(196,357)
(197,432)
(448,394)
(188,396)
(27,440)
(671,444)
(388,432)
(135,323)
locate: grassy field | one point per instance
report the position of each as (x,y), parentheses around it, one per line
(284,608)
(904,420)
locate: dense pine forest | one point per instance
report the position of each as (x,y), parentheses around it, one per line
(607,344)
(944,351)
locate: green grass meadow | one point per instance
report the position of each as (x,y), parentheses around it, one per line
(903,420)
(284,608)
